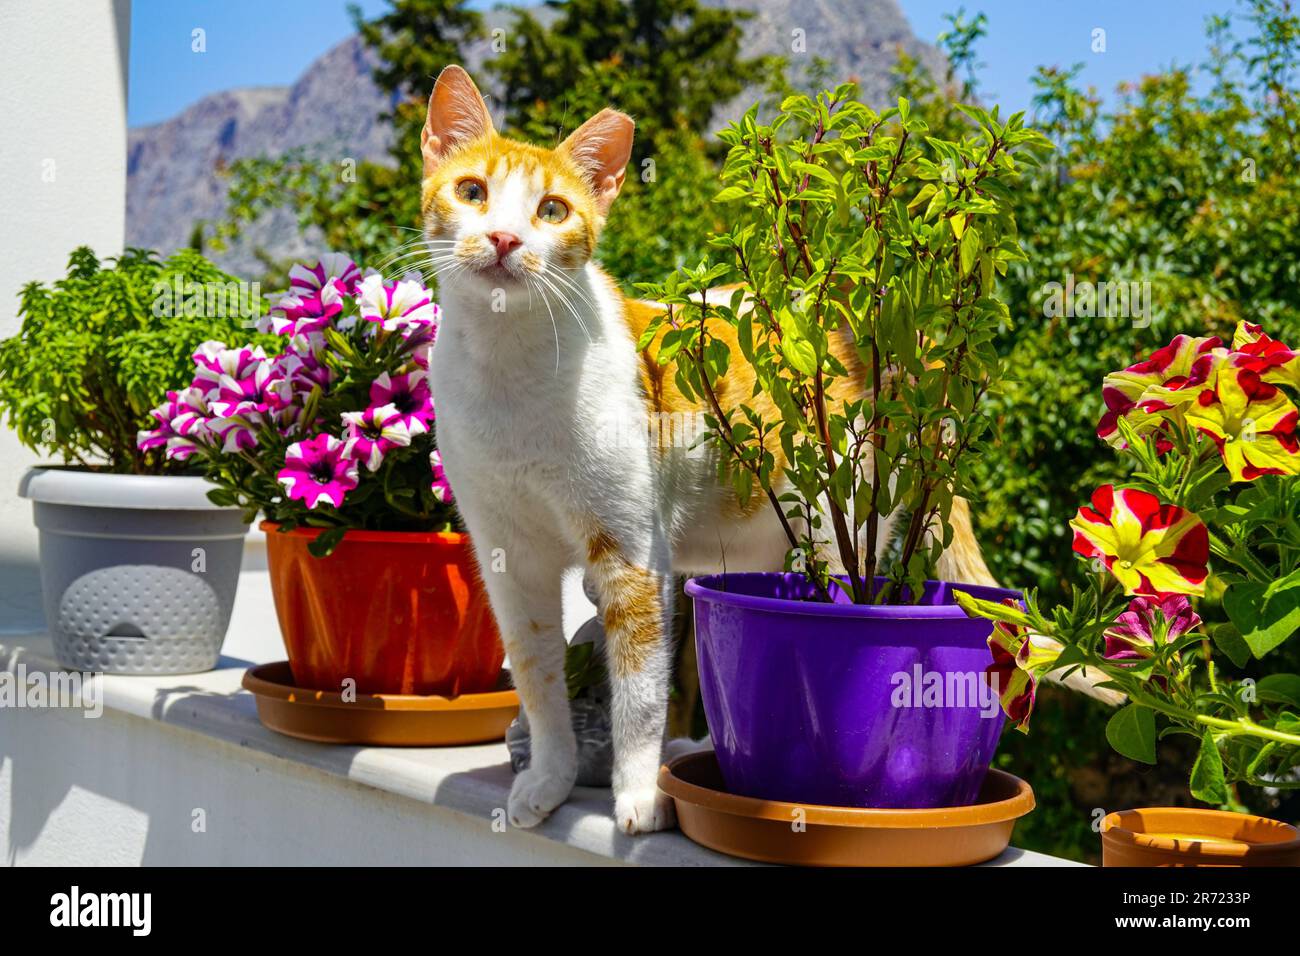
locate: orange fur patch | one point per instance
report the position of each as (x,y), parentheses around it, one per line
(631,604)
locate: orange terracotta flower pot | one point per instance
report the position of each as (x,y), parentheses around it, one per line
(398,612)
(1189,836)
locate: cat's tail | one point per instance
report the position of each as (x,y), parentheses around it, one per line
(962,561)
(676,747)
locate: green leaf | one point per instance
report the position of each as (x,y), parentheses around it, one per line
(800,353)
(1265,620)
(1228,639)
(1279,688)
(323,545)
(1132,732)
(1207,781)
(970,247)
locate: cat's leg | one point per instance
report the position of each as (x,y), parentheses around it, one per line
(636,599)
(522,560)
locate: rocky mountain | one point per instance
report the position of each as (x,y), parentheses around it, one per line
(174,168)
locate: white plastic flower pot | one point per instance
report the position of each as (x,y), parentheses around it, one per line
(138,572)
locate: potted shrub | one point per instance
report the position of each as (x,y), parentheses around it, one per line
(868,254)
(1193,591)
(138,567)
(332,439)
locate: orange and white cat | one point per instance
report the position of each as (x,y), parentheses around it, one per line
(544,408)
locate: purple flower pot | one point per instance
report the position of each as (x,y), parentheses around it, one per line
(841,704)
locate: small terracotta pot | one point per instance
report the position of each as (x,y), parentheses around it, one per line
(398,612)
(1187,836)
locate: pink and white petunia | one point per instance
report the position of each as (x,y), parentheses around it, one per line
(440,486)
(409,394)
(183,425)
(304,316)
(1152,549)
(317,471)
(404,306)
(332,266)
(372,434)
(232,375)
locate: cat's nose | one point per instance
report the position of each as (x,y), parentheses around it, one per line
(504,242)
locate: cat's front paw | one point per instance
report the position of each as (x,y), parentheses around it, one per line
(644,811)
(535,793)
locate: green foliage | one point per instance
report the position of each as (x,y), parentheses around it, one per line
(1193,193)
(667,63)
(859,228)
(97,348)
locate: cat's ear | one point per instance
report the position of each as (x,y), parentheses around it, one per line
(457,115)
(601,148)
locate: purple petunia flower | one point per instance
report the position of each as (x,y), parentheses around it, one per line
(1146,623)
(316,471)
(374,433)
(409,394)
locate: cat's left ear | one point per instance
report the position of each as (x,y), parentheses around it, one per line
(457,115)
(601,147)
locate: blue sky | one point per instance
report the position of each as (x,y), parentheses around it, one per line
(258,43)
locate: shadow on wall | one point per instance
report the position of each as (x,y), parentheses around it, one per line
(20,594)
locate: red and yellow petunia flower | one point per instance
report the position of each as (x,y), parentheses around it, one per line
(1148,393)
(1275,363)
(1251,421)
(1019,660)
(1152,549)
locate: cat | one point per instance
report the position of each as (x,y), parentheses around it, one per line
(543,405)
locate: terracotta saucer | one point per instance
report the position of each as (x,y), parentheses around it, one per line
(1196,836)
(380,720)
(812,835)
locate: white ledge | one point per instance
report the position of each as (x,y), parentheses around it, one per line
(471,782)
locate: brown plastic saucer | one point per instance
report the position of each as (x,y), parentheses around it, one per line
(1194,836)
(766,830)
(380,720)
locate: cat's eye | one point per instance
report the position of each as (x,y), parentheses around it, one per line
(471,191)
(553,211)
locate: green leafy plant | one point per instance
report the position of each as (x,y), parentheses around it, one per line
(867,251)
(96,348)
(1210,517)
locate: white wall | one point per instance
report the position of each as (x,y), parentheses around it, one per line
(62,183)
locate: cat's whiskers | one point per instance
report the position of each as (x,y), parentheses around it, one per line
(570,285)
(547,283)
(555,329)
(400,255)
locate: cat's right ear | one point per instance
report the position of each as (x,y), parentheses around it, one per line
(457,115)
